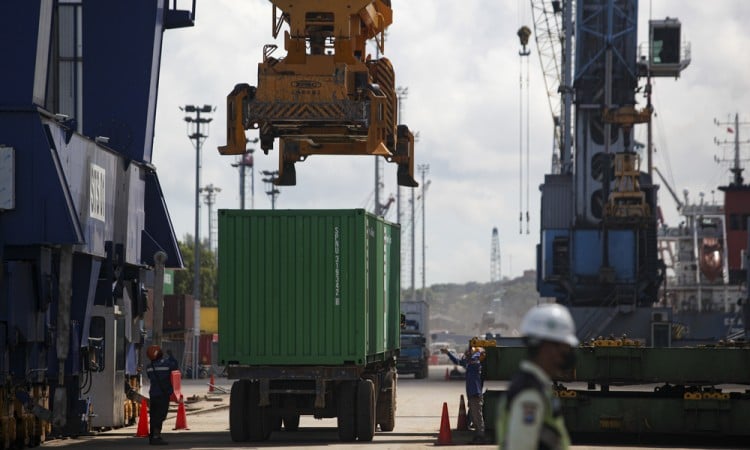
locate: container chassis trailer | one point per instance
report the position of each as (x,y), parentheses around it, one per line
(309,317)
(644,394)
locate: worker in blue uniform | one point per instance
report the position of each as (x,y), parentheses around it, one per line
(471,360)
(159,372)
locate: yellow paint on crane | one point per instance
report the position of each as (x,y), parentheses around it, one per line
(326,96)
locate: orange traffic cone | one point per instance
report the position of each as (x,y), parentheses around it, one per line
(447,374)
(445,437)
(143,420)
(181,422)
(461,424)
(211,383)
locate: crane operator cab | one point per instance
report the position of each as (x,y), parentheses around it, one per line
(668,56)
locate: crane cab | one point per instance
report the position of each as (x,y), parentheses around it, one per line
(667,56)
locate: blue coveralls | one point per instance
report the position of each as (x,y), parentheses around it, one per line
(474,387)
(160,376)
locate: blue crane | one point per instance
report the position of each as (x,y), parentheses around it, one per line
(82,214)
(598,244)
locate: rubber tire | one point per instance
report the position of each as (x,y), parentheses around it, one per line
(237,411)
(387,404)
(291,423)
(345,411)
(365,410)
(258,420)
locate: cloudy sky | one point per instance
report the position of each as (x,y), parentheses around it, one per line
(460,63)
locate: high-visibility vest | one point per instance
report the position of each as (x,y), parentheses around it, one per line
(553,435)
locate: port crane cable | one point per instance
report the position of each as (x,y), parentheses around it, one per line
(520,144)
(523,103)
(528,146)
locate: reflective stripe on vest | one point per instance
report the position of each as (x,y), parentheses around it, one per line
(553,434)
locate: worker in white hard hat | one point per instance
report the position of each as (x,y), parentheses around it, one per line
(529,416)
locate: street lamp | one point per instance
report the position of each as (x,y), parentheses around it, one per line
(210,198)
(247,160)
(194,125)
(424,169)
(271,176)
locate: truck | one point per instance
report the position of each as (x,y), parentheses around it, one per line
(414,355)
(309,319)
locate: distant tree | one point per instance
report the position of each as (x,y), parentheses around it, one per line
(183,279)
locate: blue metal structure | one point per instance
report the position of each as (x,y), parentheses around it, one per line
(81,209)
(598,254)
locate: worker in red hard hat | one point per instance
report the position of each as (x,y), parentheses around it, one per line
(530,416)
(159,371)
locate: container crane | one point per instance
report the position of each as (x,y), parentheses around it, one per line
(550,40)
(327,96)
(84,227)
(598,249)
(600,203)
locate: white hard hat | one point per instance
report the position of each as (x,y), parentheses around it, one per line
(550,322)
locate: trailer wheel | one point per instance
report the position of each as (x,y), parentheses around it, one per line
(387,417)
(291,423)
(238,402)
(259,421)
(345,411)
(365,410)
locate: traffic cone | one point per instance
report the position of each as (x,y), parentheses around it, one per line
(445,437)
(211,383)
(143,420)
(447,374)
(461,424)
(181,422)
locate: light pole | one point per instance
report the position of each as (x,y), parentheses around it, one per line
(413,271)
(247,160)
(424,169)
(210,198)
(401,94)
(271,176)
(195,134)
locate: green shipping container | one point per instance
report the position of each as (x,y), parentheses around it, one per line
(307,287)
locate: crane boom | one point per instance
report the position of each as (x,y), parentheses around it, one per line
(548,36)
(669,188)
(555,49)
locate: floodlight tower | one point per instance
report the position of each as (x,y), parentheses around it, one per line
(209,198)
(196,134)
(424,169)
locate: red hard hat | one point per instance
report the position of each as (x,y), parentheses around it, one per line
(154,352)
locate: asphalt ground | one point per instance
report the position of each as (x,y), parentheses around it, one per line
(418,417)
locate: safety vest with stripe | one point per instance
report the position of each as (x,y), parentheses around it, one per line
(552,435)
